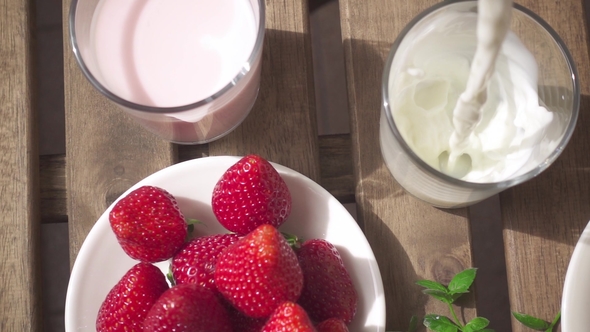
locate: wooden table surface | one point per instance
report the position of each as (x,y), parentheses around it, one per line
(106,153)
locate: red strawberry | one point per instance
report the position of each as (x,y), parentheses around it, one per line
(187,308)
(332,325)
(289,317)
(128,303)
(259,272)
(251,193)
(328,290)
(148,224)
(195,262)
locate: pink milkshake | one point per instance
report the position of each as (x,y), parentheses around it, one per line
(187,70)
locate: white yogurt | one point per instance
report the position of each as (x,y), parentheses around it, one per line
(502,138)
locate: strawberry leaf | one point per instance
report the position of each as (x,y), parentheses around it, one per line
(293,240)
(439,323)
(462,281)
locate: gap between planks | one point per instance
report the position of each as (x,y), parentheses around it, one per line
(335,170)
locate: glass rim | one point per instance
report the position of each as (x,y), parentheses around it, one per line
(482,185)
(245,69)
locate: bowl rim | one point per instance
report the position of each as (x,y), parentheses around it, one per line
(375,312)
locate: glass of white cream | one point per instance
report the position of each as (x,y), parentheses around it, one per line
(528,117)
(189,71)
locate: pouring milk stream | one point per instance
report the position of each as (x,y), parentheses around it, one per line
(492,26)
(473,117)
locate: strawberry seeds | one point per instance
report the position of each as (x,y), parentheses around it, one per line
(249,279)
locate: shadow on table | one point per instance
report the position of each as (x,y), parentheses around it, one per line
(285,104)
(392,256)
(555,216)
(542,223)
(404,298)
(396,269)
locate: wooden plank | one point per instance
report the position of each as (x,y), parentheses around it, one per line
(52,173)
(544,217)
(411,239)
(20,304)
(93,179)
(336,167)
(335,170)
(282,125)
(334,159)
(107,152)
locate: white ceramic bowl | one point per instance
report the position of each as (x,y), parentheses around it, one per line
(575,303)
(315,214)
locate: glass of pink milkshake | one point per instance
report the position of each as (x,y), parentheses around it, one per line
(188,71)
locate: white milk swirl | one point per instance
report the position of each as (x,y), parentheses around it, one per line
(493,23)
(498,142)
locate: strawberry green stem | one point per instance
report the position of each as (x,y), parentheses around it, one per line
(194,222)
(170,276)
(191,227)
(293,240)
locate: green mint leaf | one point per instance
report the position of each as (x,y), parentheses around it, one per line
(413,324)
(429,284)
(462,281)
(439,295)
(439,323)
(476,324)
(531,322)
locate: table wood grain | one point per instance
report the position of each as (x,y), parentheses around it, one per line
(411,240)
(542,219)
(107,152)
(20,304)
(283,118)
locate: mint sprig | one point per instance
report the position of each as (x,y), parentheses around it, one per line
(459,285)
(537,324)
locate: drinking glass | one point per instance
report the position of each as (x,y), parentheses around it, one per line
(199,121)
(558,89)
